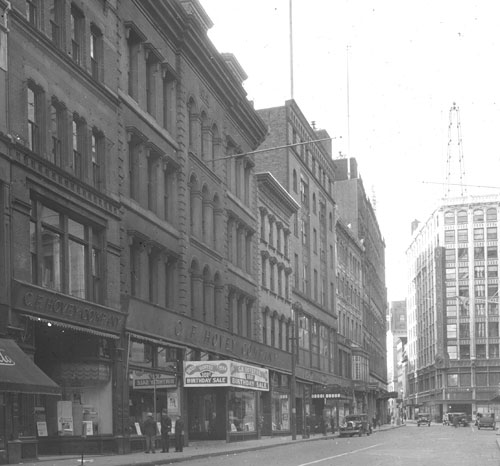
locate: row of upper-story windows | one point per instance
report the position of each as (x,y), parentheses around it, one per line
(149,167)
(67,26)
(311,161)
(316,206)
(274,233)
(275,276)
(64,137)
(462,235)
(480,253)
(203,137)
(478,215)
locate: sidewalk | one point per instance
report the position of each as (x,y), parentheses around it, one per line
(195,450)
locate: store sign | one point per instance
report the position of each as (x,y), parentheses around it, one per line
(5,360)
(52,305)
(151,381)
(225,374)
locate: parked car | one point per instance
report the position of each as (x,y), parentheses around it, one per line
(424,418)
(355,424)
(486,420)
(461,419)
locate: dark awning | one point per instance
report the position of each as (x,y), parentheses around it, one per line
(18,373)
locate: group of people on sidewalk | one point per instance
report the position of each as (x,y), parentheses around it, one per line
(150,432)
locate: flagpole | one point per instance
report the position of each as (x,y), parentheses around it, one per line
(291,50)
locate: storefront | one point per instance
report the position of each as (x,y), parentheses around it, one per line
(275,406)
(24,391)
(153,383)
(222,399)
(76,343)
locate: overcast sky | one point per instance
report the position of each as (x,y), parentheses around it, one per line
(408,63)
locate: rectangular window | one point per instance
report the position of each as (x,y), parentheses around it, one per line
(493,271)
(97,154)
(481,351)
(77,144)
(77,34)
(464,351)
(480,308)
(479,253)
(57,130)
(463,273)
(479,290)
(493,350)
(96,53)
(449,236)
(450,255)
(478,234)
(133,169)
(451,331)
(492,252)
(451,274)
(464,330)
(463,236)
(56,12)
(481,329)
(66,253)
(491,233)
(453,378)
(463,254)
(34,113)
(32,12)
(479,271)
(150,83)
(493,329)
(133,48)
(152,182)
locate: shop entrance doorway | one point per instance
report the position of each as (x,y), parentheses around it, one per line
(206,413)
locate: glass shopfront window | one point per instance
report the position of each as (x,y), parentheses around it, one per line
(153,383)
(280,411)
(241,411)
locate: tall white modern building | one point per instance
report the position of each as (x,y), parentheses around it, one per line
(452,305)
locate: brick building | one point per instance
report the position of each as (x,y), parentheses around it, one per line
(307,172)
(356,210)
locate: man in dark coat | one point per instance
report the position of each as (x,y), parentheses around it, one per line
(150,433)
(166,428)
(179,428)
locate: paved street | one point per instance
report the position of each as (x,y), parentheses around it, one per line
(407,446)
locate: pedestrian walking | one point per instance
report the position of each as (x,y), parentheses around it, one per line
(166,428)
(150,433)
(179,431)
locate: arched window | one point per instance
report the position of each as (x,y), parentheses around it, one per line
(207,298)
(206,216)
(194,211)
(449,218)
(462,216)
(294,182)
(215,143)
(314,202)
(215,223)
(191,109)
(479,215)
(203,136)
(193,274)
(491,215)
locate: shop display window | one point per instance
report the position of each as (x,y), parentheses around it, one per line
(280,411)
(241,411)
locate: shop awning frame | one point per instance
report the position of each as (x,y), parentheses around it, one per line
(18,373)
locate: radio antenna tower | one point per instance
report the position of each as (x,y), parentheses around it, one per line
(455,171)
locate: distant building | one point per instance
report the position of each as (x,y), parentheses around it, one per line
(396,340)
(453,317)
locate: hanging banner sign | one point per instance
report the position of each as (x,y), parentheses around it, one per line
(225,374)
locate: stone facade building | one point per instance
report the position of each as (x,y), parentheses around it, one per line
(453,324)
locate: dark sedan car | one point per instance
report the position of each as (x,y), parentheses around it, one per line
(355,424)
